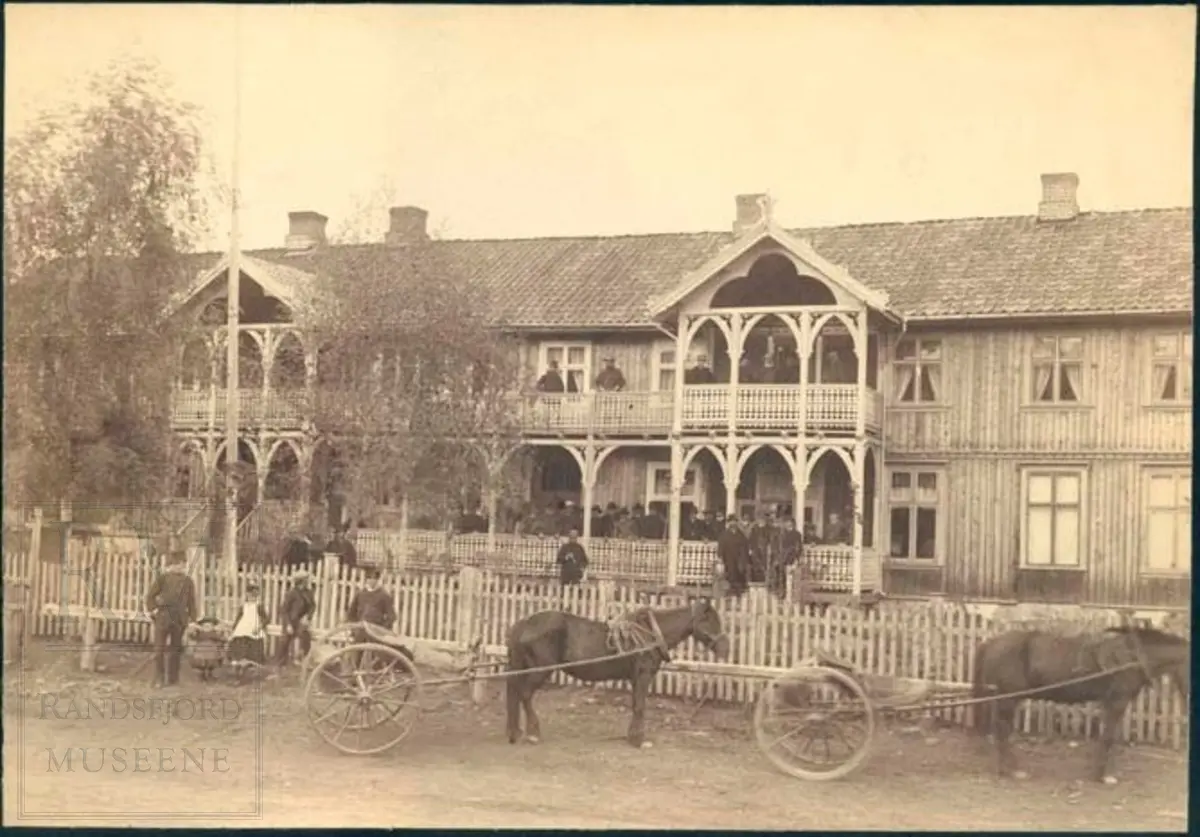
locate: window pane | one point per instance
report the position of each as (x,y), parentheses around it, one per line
(906,350)
(1160,540)
(1041,488)
(554,354)
(576,355)
(1043,347)
(666,380)
(931,349)
(1166,345)
(666,357)
(1066,489)
(1183,541)
(1070,377)
(1070,348)
(927,481)
(900,533)
(1066,537)
(926,533)
(1183,491)
(1043,382)
(901,484)
(662,482)
(1037,538)
(929,383)
(1162,491)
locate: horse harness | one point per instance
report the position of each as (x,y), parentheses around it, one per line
(625,633)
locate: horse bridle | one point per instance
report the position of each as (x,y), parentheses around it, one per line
(706,639)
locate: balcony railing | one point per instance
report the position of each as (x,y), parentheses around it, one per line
(828,407)
(276,408)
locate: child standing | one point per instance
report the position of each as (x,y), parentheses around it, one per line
(249,634)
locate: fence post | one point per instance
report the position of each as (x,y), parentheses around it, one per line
(470,585)
(327,616)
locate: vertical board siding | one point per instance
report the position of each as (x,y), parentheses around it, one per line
(929,641)
(985,407)
(984,518)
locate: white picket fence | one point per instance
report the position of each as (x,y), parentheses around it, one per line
(930,641)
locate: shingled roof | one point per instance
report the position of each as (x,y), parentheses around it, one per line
(1098,263)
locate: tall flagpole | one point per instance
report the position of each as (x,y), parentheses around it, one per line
(232,335)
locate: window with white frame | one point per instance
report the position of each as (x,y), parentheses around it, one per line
(1168,520)
(914,500)
(658,484)
(918,371)
(1056,370)
(1052,517)
(574,364)
(1171,369)
(665,368)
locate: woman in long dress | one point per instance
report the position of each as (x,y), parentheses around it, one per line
(248,638)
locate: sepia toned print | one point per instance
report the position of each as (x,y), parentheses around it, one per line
(609,417)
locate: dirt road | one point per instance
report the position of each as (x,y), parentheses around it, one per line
(457,770)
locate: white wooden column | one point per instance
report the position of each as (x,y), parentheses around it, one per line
(860,349)
(587,469)
(735,364)
(682,340)
(804,352)
(733,476)
(858,475)
(674,516)
(800,482)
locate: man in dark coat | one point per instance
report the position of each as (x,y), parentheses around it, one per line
(298,607)
(610,378)
(733,549)
(760,545)
(601,523)
(654,528)
(572,560)
(552,380)
(341,546)
(171,602)
(372,604)
(790,543)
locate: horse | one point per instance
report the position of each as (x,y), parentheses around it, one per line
(552,637)
(1029,659)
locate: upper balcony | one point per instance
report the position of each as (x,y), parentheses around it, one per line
(828,408)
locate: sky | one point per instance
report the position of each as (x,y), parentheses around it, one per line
(530,121)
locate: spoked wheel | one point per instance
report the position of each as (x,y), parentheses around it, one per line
(814,723)
(363,698)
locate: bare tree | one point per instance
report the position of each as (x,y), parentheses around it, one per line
(415,381)
(100,201)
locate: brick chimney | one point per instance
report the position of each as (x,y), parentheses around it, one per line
(750,211)
(306,230)
(1059,199)
(407,226)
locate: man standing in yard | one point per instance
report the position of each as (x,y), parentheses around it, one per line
(172,605)
(298,607)
(372,604)
(572,560)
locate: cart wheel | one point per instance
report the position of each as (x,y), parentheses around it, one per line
(363,698)
(814,723)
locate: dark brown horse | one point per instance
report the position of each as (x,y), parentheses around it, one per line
(553,637)
(1029,659)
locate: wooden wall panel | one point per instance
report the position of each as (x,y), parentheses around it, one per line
(984,381)
(983,536)
(633,354)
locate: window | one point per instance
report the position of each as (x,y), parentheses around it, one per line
(918,371)
(1057,370)
(914,498)
(574,364)
(1169,520)
(1053,517)
(658,484)
(664,367)
(1171,371)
